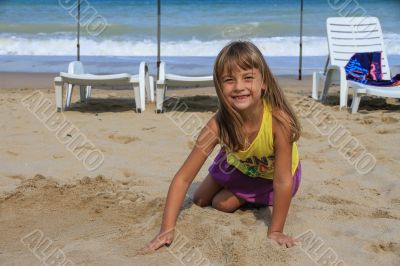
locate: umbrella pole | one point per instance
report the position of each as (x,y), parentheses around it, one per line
(158,37)
(78,56)
(301,39)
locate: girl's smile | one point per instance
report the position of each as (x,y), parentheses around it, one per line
(241,98)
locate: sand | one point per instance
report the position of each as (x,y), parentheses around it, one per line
(55,210)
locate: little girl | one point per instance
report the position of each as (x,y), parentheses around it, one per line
(258,161)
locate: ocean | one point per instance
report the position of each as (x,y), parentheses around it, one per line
(40,36)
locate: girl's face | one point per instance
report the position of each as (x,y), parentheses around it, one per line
(242,89)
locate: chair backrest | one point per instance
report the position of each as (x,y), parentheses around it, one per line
(349,35)
(76,67)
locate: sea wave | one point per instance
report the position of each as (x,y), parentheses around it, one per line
(273,46)
(218,30)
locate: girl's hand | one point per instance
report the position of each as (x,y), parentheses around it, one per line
(282,239)
(165,237)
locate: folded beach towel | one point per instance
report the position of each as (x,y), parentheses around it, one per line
(366,68)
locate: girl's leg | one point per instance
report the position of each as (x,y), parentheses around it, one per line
(206,191)
(226,201)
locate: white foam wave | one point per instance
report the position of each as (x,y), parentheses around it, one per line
(274,46)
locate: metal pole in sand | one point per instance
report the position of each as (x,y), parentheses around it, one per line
(301,39)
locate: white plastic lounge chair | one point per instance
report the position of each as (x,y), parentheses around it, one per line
(346,36)
(140,83)
(76,67)
(171,80)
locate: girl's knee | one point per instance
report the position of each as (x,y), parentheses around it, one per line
(205,192)
(223,205)
(200,201)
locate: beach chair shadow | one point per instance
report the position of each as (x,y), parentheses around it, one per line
(167,80)
(347,36)
(104,105)
(370,103)
(198,103)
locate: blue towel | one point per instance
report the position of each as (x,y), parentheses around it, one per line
(366,68)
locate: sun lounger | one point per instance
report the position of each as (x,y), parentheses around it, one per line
(166,81)
(140,83)
(346,36)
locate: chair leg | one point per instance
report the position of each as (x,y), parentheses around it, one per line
(314,93)
(136,92)
(142,96)
(58,86)
(327,84)
(82,93)
(317,76)
(160,97)
(69,95)
(139,93)
(88,92)
(356,102)
(150,89)
(343,89)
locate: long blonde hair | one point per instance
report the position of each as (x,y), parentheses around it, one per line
(245,55)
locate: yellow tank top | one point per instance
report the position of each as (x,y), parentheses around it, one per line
(258,159)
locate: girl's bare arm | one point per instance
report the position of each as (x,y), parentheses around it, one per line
(207,140)
(205,144)
(282,184)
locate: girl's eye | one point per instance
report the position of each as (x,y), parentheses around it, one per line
(228,80)
(249,77)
